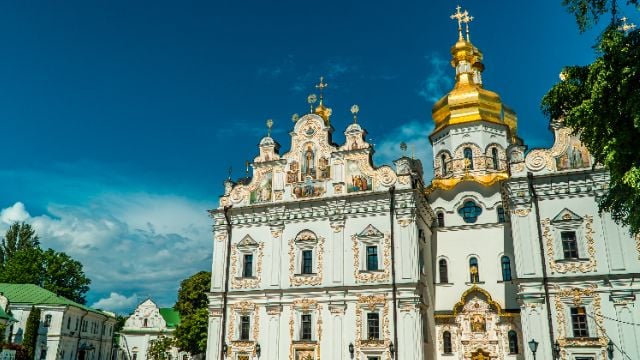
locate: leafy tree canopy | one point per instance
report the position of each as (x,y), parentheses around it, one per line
(588,12)
(191,334)
(31,332)
(601,101)
(22,261)
(159,349)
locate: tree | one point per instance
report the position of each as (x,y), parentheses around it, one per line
(192,294)
(64,276)
(159,349)
(588,12)
(31,332)
(192,304)
(22,261)
(19,236)
(601,102)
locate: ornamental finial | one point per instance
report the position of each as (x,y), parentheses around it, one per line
(321,87)
(295,117)
(311,99)
(354,110)
(626,27)
(247,163)
(269,126)
(460,16)
(403,147)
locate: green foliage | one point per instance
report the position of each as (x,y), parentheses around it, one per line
(588,12)
(22,261)
(31,332)
(601,102)
(191,334)
(159,349)
(64,276)
(19,236)
(192,294)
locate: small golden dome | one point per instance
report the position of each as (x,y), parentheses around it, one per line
(468,101)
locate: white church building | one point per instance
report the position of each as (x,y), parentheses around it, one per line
(503,255)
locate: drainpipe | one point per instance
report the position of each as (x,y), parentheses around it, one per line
(226,281)
(392,208)
(545,278)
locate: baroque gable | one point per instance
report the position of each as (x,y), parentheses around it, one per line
(314,167)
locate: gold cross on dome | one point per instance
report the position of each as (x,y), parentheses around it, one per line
(460,16)
(269,126)
(321,86)
(626,27)
(466,20)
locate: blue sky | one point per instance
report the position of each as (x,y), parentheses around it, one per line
(121,118)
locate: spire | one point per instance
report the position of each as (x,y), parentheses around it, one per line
(626,27)
(269,126)
(459,16)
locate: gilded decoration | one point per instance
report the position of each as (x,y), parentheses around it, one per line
(570,266)
(371,303)
(238,282)
(306,237)
(239,309)
(637,237)
(450,183)
(577,297)
(221,236)
(371,234)
(567,153)
(522,212)
(298,350)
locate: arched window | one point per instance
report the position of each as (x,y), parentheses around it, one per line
(446,342)
(513,342)
(506,268)
(443,271)
(468,158)
(501,217)
(474,272)
(440,216)
(494,157)
(443,162)
(470,211)
(47,320)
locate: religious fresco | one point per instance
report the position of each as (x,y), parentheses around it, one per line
(356,180)
(576,156)
(308,188)
(262,193)
(293,175)
(324,168)
(308,160)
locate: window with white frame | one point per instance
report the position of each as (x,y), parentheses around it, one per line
(245,327)
(306,327)
(373,325)
(306,243)
(370,249)
(247,251)
(568,232)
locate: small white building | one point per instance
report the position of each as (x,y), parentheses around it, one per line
(147,323)
(68,330)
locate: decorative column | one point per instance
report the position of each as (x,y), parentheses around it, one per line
(338,347)
(213,335)
(337,247)
(405,243)
(410,330)
(220,259)
(628,334)
(273,337)
(276,252)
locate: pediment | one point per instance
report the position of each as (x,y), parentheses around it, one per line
(247,241)
(567,215)
(370,232)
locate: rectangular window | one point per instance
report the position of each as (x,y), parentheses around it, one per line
(247,270)
(569,244)
(47,320)
(43,354)
(372,258)
(501,217)
(307,262)
(305,327)
(579,322)
(373,326)
(245,324)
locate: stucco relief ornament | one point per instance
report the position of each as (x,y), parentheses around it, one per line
(538,159)
(372,302)
(576,296)
(638,244)
(242,308)
(522,212)
(386,176)
(571,266)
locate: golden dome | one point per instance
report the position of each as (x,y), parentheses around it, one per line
(468,101)
(324,112)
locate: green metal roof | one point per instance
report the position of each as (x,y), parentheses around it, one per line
(170,316)
(31,294)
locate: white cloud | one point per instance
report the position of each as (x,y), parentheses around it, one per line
(416,135)
(135,243)
(438,81)
(116,302)
(14,213)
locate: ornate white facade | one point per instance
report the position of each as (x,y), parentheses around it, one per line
(321,255)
